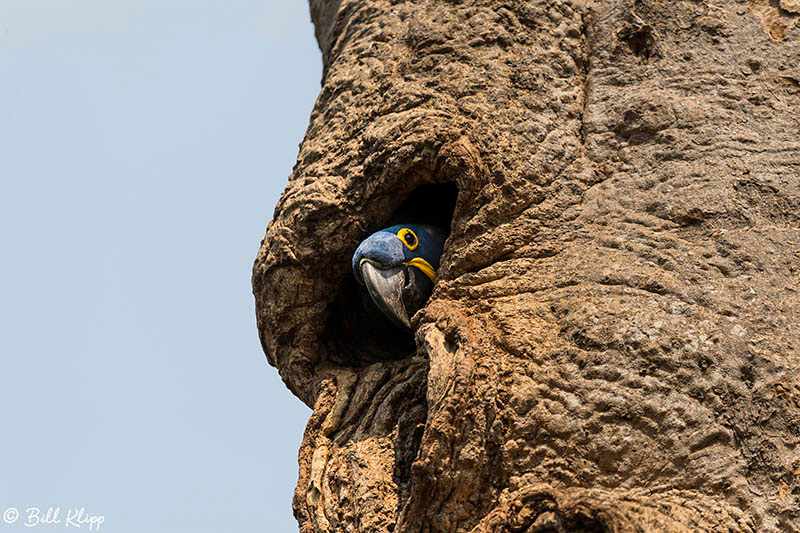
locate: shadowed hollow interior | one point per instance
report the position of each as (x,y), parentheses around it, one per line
(357,333)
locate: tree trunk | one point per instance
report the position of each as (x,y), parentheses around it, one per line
(613,341)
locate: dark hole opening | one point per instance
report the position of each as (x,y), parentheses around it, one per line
(641,41)
(428,204)
(357,333)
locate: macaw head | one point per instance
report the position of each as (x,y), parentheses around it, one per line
(398,267)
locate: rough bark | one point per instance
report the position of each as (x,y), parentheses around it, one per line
(613,343)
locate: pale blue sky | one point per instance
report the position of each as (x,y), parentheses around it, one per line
(143,145)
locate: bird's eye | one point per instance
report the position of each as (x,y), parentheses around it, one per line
(408,237)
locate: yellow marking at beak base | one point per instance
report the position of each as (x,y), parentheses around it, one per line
(424,266)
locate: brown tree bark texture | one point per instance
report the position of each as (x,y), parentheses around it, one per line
(613,343)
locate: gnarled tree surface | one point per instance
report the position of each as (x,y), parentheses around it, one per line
(613,343)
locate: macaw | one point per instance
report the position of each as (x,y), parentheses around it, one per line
(397,265)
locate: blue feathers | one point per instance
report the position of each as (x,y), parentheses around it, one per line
(401,245)
(397,266)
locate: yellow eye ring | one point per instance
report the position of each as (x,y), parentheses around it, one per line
(409,238)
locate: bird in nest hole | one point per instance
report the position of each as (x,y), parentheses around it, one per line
(397,265)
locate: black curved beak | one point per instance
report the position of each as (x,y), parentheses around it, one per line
(398,292)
